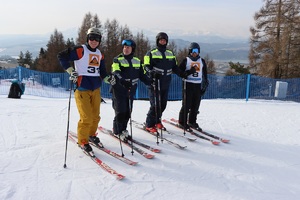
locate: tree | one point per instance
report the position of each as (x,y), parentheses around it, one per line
(211,69)
(25,61)
(21,59)
(172,46)
(82,32)
(111,44)
(142,45)
(237,69)
(274,41)
(182,53)
(47,60)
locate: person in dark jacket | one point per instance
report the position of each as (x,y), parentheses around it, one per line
(88,75)
(196,84)
(16,90)
(127,70)
(159,63)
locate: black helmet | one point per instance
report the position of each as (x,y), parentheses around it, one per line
(130,43)
(93,32)
(194,45)
(161,35)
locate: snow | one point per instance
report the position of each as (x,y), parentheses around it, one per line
(260,162)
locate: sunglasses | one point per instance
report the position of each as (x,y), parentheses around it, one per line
(92,38)
(126,42)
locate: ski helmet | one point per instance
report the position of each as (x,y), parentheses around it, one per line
(161,35)
(94,32)
(193,46)
(130,43)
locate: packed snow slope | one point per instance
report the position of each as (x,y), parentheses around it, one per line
(261,161)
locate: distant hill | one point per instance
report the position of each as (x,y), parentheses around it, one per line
(215,47)
(232,51)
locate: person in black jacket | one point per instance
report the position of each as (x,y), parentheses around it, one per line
(159,63)
(196,84)
(127,70)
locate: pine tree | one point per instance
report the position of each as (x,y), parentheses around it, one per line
(47,60)
(25,61)
(211,69)
(111,42)
(142,45)
(273,44)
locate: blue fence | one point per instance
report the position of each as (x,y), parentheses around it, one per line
(56,85)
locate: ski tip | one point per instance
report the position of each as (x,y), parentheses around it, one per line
(134,163)
(225,141)
(182,147)
(148,156)
(120,177)
(156,150)
(215,142)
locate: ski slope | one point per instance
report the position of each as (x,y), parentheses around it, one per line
(260,162)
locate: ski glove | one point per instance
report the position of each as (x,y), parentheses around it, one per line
(110,79)
(126,84)
(188,72)
(73,74)
(155,74)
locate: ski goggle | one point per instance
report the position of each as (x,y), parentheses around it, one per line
(195,51)
(94,37)
(126,42)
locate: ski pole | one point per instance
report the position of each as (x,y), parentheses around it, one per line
(160,112)
(119,137)
(68,123)
(155,105)
(184,106)
(130,121)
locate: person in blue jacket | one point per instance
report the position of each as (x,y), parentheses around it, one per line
(88,74)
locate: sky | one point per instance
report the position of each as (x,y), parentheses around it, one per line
(230,18)
(260,162)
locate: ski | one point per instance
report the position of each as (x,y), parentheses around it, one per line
(98,161)
(139,150)
(170,133)
(206,133)
(109,152)
(169,141)
(192,132)
(155,150)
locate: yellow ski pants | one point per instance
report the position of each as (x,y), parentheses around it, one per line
(88,105)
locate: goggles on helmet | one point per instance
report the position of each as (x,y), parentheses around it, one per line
(195,51)
(126,42)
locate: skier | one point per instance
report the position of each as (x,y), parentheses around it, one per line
(196,84)
(160,63)
(127,70)
(87,75)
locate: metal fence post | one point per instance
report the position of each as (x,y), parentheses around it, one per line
(248,87)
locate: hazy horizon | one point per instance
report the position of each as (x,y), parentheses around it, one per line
(231,18)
